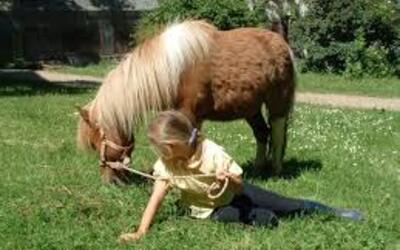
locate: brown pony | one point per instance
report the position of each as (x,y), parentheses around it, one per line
(205,73)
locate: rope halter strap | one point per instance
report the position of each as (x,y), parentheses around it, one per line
(124,158)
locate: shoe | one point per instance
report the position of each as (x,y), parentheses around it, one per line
(352,214)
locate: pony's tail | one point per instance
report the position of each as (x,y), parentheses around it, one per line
(294,79)
(281,27)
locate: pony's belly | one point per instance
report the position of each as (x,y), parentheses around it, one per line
(237,96)
(236,109)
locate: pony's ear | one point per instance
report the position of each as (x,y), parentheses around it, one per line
(84,113)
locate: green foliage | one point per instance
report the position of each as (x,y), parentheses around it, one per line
(355,37)
(225,14)
(371,60)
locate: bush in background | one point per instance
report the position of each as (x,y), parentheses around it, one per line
(354,37)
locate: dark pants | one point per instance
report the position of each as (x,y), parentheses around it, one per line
(257,206)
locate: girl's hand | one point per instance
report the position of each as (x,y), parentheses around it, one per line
(236,180)
(130,237)
(221,175)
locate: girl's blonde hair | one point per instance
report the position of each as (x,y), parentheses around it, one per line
(171,126)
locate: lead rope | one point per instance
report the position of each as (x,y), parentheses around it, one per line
(117,165)
(214,186)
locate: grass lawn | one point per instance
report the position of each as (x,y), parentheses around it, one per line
(100,70)
(329,83)
(323,83)
(51,196)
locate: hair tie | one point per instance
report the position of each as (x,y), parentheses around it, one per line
(193,137)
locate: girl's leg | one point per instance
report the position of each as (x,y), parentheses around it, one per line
(313,206)
(262,217)
(255,216)
(241,210)
(285,206)
(226,214)
(279,204)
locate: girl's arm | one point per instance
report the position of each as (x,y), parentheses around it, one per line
(160,190)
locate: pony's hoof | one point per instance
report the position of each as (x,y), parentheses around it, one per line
(276,169)
(260,164)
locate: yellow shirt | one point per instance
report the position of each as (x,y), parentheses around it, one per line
(207,159)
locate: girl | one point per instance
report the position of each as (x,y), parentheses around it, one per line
(194,165)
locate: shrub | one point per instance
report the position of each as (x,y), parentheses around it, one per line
(355,37)
(367,60)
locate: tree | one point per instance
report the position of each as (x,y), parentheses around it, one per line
(280,12)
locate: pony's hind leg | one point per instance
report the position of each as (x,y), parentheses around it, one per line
(278,142)
(261,133)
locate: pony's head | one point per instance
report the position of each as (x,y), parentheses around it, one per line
(111,146)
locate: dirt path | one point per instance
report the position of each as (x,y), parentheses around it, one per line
(60,77)
(336,100)
(351,101)
(46,76)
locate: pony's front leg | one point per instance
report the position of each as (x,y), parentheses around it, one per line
(261,133)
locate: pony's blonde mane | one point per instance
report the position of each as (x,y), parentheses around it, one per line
(148,78)
(83,140)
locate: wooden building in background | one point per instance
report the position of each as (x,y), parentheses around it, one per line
(76,31)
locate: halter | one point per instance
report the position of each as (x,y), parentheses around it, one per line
(124,158)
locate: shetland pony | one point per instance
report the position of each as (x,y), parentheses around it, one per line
(205,73)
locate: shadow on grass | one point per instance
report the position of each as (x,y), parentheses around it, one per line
(134,179)
(126,178)
(28,83)
(291,169)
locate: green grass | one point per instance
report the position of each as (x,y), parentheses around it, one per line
(329,83)
(99,70)
(323,83)
(51,196)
